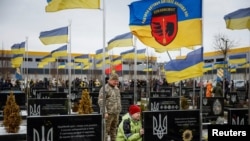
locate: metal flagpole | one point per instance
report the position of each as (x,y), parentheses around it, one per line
(135,72)
(69,68)
(103,72)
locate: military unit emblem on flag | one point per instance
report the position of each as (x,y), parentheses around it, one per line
(164,25)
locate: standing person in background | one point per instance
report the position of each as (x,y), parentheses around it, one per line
(217,90)
(209,87)
(130,128)
(112,107)
(232,86)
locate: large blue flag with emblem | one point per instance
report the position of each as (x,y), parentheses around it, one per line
(167,25)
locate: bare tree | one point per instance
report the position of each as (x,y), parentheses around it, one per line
(223,44)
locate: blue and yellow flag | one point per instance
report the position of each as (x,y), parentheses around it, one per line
(99,53)
(18,48)
(239,19)
(167,24)
(48,58)
(61,51)
(55,36)
(117,60)
(237,59)
(57,5)
(221,64)
(82,58)
(207,68)
(129,54)
(181,69)
(244,65)
(123,40)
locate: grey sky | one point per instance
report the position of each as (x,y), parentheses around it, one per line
(27,18)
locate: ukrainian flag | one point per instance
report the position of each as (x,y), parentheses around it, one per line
(18,48)
(244,65)
(141,53)
(117,60)
(129,54)
(57,5)
(61,51)
(82,58)
(208,68)
(238,59)
(55,36)
(15,49)
(62,65)
(123,40)
(99,53)
(22,47)
(166,24)
(221,64)
(239,19)
(48,58)
(181,69)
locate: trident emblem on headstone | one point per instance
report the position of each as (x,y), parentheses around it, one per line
(35,110)
(43,136)
(160,126)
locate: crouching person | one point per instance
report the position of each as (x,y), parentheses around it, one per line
(130,128)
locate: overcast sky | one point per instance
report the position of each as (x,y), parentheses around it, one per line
(27,18)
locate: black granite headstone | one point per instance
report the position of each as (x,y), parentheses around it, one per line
(212,107)
(65,128)
(166,103)
(237,116)
(172,125)
(53,106)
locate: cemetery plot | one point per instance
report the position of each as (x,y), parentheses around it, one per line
(65,128)
(237,116)
(168,103)
(171,125)
(126,100)
(53,106)
(212,107)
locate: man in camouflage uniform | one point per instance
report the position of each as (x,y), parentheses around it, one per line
(112,107)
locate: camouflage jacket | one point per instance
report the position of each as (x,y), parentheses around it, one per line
(113,99)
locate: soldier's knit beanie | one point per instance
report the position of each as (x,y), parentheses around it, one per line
(134,109)
(113,76)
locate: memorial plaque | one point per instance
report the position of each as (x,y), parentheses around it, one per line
(37,93)
(167,90)
(44,95)
(65,128)
(168,103)
(175,125)
(53,106)
(161,94)
(241,95)
(237,116)
(233,99)
(126,100)
(212,107)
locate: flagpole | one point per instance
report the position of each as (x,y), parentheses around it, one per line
(27,64)
(135,72)
(103,71)
(69,68)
